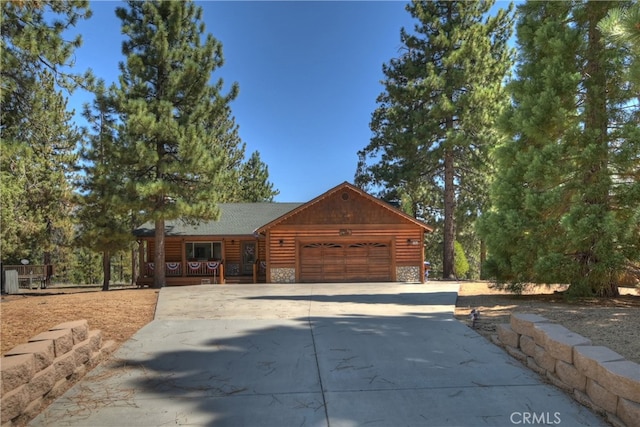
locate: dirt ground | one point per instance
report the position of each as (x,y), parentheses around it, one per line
(613,323)
(119,313)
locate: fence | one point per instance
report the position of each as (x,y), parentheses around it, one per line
(30,276)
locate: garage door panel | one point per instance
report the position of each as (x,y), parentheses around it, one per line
(357,252)
(351,260)
(334,268)
(377,253)
(357,269)
(345,262)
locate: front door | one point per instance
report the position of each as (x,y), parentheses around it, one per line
(248,257)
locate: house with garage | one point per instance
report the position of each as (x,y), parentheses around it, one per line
(343,235)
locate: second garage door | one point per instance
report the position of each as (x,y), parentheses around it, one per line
(345,262)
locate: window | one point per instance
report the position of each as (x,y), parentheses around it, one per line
(204,250)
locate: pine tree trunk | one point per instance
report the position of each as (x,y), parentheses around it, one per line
(106,270)
(46,256)
(134,264)
(483,257)
(448,260)
(159,261)
(595,179)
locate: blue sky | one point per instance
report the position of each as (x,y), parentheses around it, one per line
(309,75)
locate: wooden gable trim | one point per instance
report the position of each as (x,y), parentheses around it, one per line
(332,191)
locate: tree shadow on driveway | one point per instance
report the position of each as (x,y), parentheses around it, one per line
(416,368)
(401,299)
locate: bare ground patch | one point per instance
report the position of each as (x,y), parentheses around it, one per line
(610,322)
(118,313)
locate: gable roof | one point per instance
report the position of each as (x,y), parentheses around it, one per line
(235,219)
(345,185)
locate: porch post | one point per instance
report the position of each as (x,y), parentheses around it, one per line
(184,257)
(422,260)
(267,255)
(141,255)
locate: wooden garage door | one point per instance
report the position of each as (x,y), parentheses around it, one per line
(345,262)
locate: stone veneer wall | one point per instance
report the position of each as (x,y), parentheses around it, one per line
(35,373)
(595,376)
(408,274)
(283,275)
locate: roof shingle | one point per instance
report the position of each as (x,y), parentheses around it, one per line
(235,219)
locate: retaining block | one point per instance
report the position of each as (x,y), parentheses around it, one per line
(558,340)
(587,358)
(79,329)
(16,371)
(601,396)
(553,378)
(41,350)
(523,323)
(544,359)
(42,383)
(59,388)
(65,365)
(32,410)
(109,346)
(13,403)
(570,375)
(585,400)
(62,340)
(80,372)
(515,353)
(596,376)
(615,421)
(531,364)
(621,378)
(82,352)
(527,345)
(95,340)
(495,340)
(507,335)
(45,367)
(628,411)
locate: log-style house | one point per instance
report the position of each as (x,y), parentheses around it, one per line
(343,235)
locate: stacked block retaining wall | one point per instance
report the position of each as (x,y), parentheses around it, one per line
(595,376)
(33,374)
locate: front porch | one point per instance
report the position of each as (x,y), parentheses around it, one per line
(205,260)
(209,273)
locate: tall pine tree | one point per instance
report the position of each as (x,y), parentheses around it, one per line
(175,165)
(38,162)
(435,121)
(38,144)
(566,204)
(622,25)
(254,181)
(104,226)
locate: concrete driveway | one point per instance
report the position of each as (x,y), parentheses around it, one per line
(311,355)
